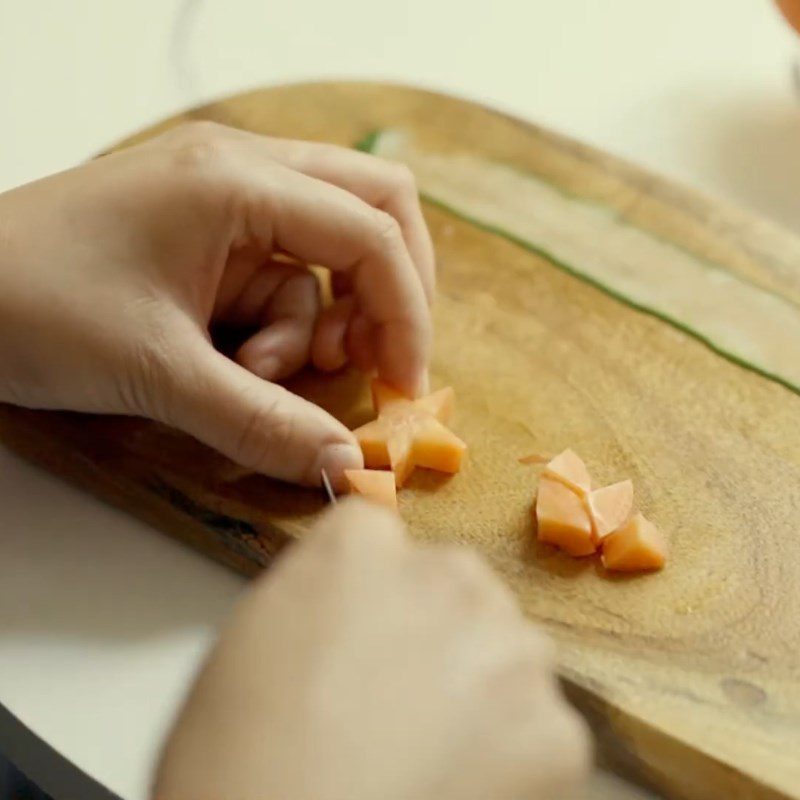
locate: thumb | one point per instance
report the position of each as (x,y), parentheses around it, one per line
(258,424)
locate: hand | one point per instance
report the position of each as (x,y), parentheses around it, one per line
(364,666)
(111,273)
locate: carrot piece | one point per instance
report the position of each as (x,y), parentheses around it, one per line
(535,458)
(569,469)
(383,394)
(439,404)
(636,546)
(437,447)
(610,507)
(562,519)
(400,446)
(410,433)
(376,485)
(374,444)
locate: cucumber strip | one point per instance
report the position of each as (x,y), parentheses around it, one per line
(753,327)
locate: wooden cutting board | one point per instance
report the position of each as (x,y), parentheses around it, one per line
(691,676)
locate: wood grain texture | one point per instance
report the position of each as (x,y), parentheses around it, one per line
(692,676)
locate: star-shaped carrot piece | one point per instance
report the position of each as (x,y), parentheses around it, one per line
(410,433)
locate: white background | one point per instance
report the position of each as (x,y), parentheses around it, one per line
(101,619)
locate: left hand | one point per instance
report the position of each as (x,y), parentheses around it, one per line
(111,274)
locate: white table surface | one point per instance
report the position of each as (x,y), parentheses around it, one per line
(102,620)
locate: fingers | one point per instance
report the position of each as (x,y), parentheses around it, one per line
(322,224)
(283,346)
(248,285)
(526,685)
(271,207)
(360,345)
(349,541)
(563,745)
(471,582)
(385,185)
(328,346)
(514,665)
(356,525)
(257,424)
(572,751)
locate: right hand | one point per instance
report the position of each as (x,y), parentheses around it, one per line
(364,666)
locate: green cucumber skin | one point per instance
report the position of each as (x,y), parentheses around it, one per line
(576,273)
(368,145)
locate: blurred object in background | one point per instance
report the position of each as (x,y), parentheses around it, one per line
(791,10)
(15,786)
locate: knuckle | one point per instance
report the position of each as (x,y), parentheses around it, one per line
(326,154)
(200,144)
(146,386)
(267,429)
(200,130)
(387,232)
(403,180)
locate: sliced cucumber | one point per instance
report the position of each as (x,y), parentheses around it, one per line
(755,328)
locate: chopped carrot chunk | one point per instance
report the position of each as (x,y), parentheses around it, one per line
(376,485)
(410,433)
(562,519)
(569,469)
(638,545)
(610,507)
(579,520)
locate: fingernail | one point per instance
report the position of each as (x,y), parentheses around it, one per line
(335,459)
(269,367)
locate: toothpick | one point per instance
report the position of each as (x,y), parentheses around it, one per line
(328,488)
